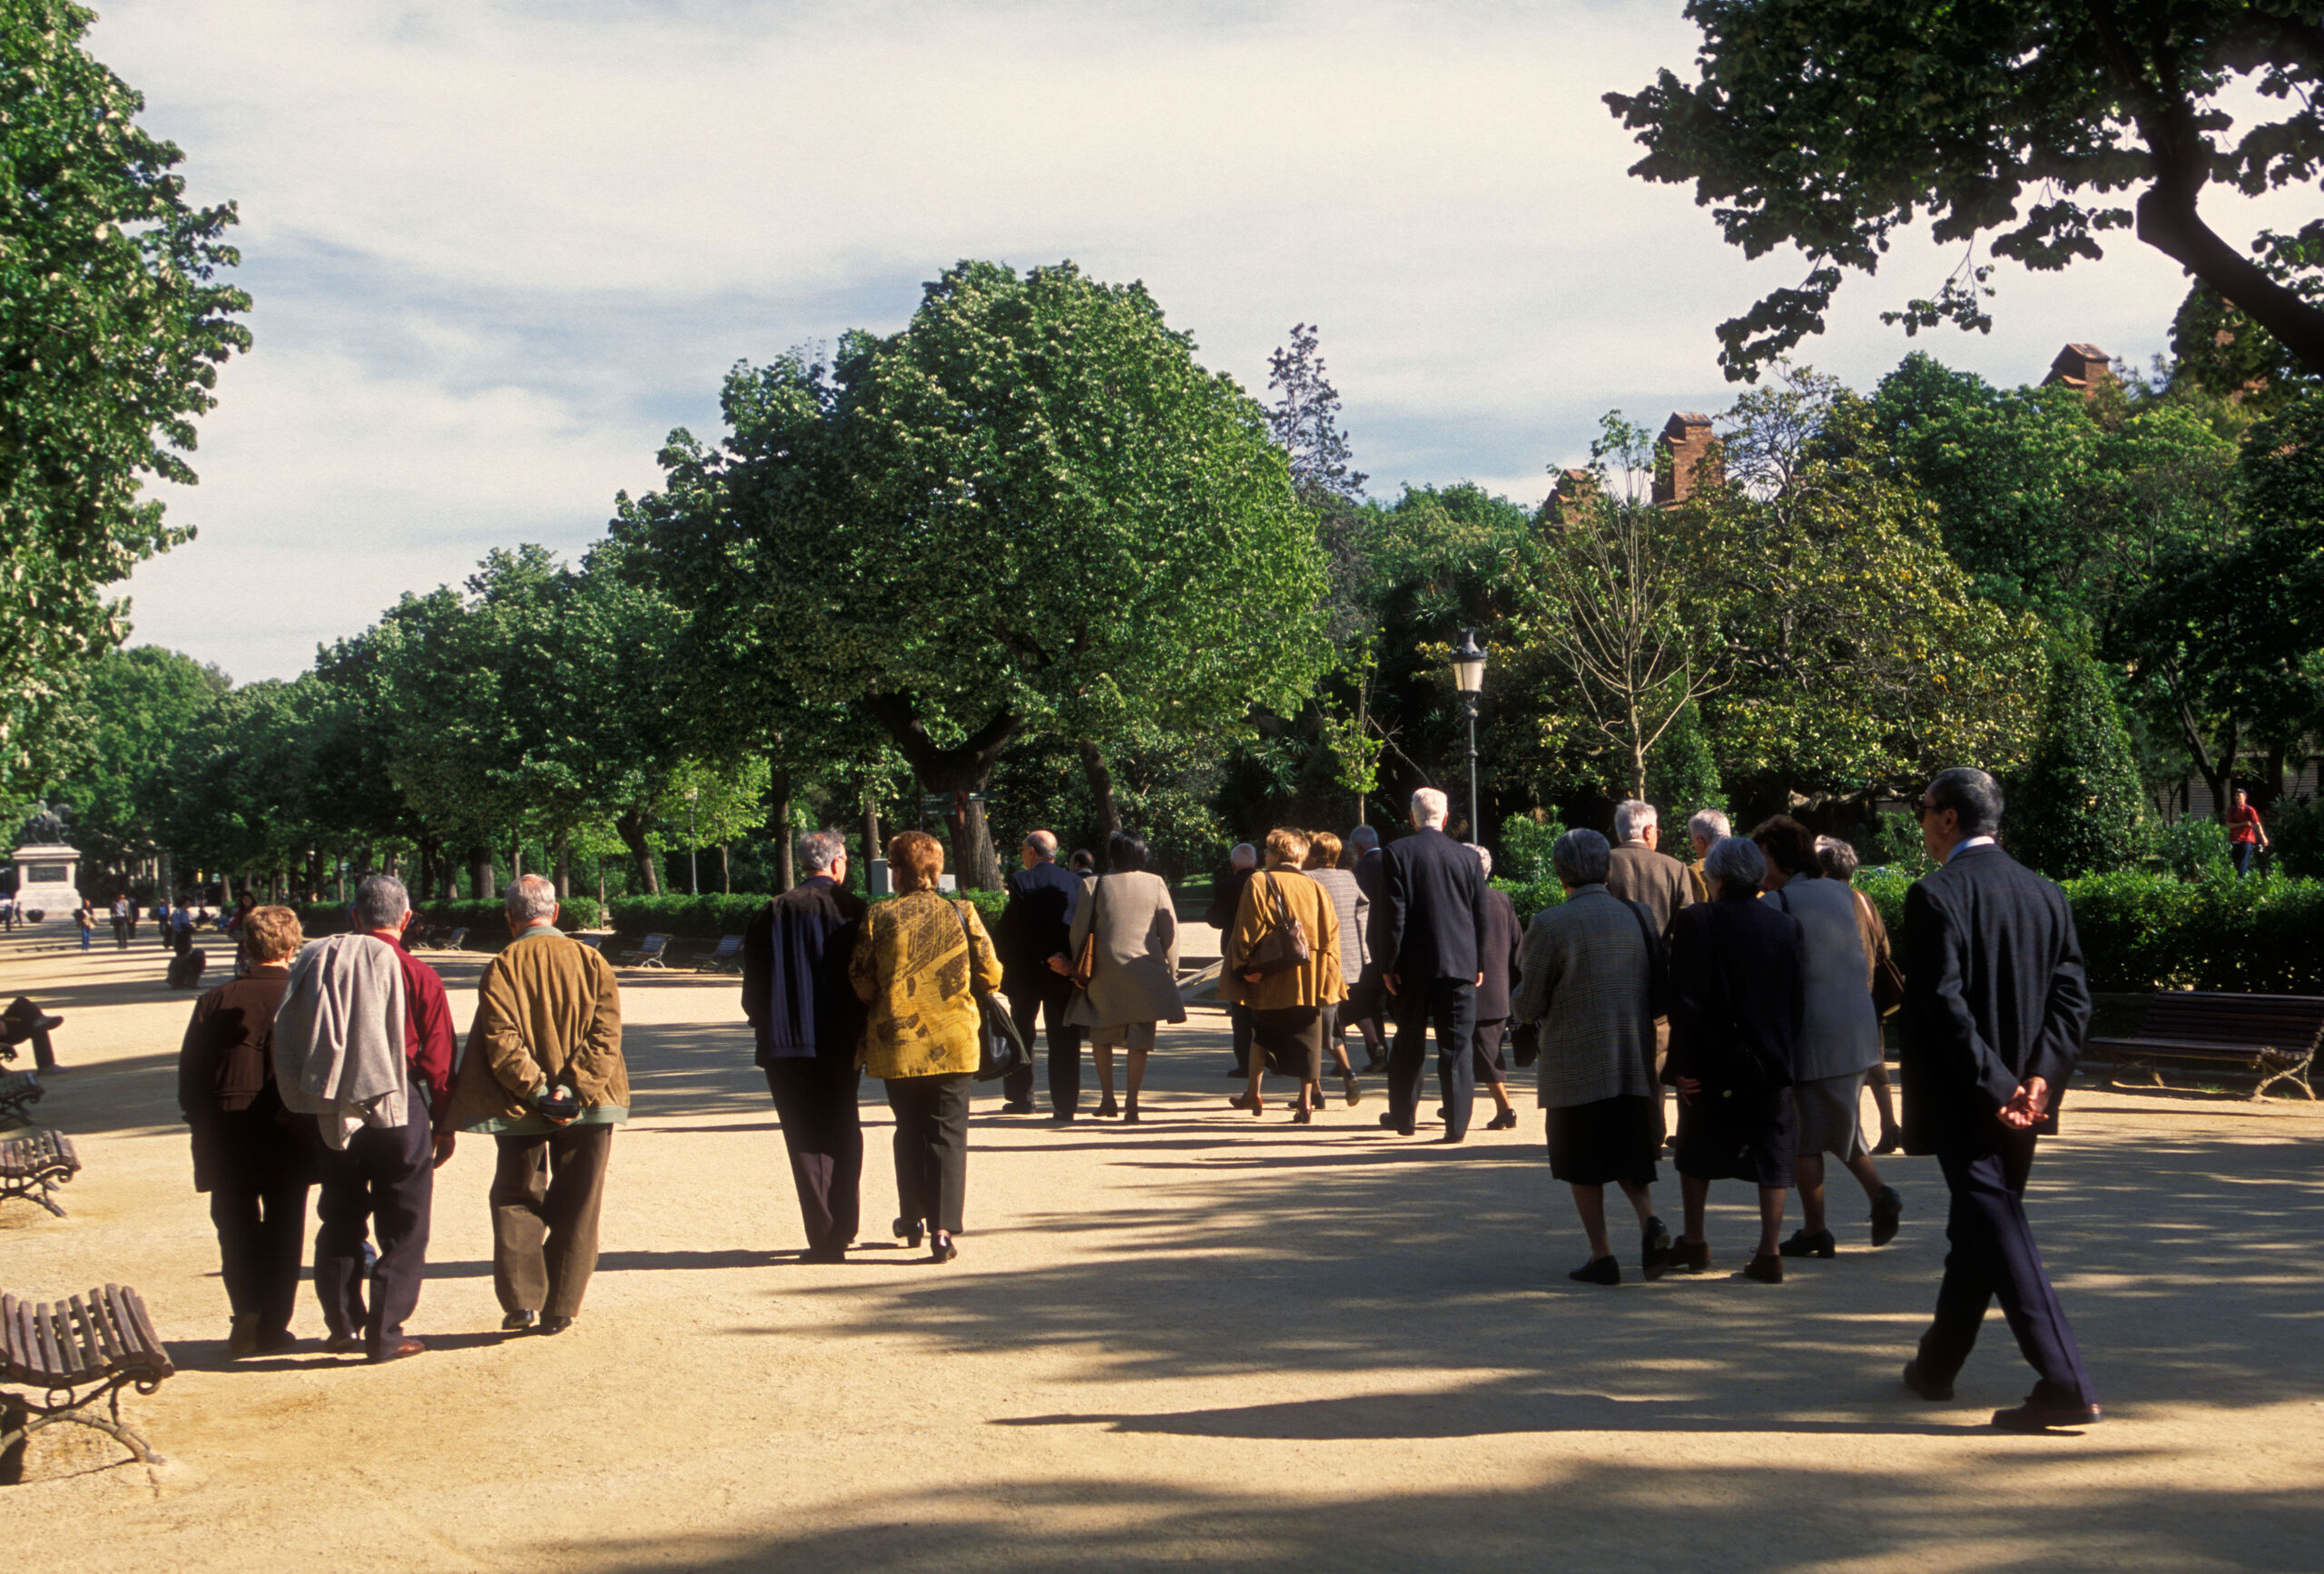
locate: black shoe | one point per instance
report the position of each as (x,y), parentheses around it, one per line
(2041,1412)
(1303,1118)
(343,1344)
(1454,1137)
(515,1322)
(942,1250)
(1018,1106)
(1803,1244)
(1374,1066)
(1240,1073)
(1765,1267)
(908,1231)
(1888,1210)
(1107,1108)
(1505,1121)
(1389,1122)
(556,1325)
(276,1340)
(1926,1386)
(1890,1142)
(1654,1248)
(824,1254)
(1602,1269)
(1130,1110)
(1062,1118)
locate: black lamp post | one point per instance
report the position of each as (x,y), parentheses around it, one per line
(1469,679)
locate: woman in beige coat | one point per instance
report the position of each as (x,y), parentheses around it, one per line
(1286,1004)
(1134,965)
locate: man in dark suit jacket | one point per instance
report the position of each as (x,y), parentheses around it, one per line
(1226,901)
(1036,974)
(805,1017)
(1996,1005)
(1367,996)
(1431,939)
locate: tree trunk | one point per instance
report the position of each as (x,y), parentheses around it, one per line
(1101,788)
(726,872)
(517,860)
(779,818)
(957,772)
(561,853)
(631,825)
(479,872)
(871,848)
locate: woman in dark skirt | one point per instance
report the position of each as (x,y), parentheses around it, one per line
(1738,980)
(249,1154)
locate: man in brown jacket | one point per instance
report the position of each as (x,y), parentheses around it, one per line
(544,1074)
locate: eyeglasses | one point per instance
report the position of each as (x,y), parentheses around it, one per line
(1921,810)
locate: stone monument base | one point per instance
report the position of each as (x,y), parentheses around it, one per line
(46,882)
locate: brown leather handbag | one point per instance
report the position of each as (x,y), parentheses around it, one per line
(1085,966)
(1283,946)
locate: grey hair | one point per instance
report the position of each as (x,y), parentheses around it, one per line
(1581,858)
(380,902)
(1041,843)
(1737,864)
(530,899)
(1364,836)
(1633,818)
(819,849)
(1485,856)
(1243,856)
(1839,858)
(1430,807)
(1710,825)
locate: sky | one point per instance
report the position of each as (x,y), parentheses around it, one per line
(499,250)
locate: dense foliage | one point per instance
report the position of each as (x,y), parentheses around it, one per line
(2078,808)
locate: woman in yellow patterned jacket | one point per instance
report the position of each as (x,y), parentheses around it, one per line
(920,962)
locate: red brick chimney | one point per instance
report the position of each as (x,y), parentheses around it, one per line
(1692,450)
(2082,367)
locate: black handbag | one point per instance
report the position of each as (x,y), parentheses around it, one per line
(1000,1051)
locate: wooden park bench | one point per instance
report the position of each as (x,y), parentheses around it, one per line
(68,1356)
(649,954)
(34,1163)
(2275,1036)
(726,958)
(17,1089)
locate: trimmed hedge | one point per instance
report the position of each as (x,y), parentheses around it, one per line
(330,918)
(704,917)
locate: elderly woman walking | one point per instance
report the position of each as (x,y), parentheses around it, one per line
(919,965)
(1881,977)
(1128,914)
(1286,991)
(1737,986)
(1353,910)
(248,1152)
(1591,982)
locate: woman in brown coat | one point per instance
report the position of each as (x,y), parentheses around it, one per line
(248,1154)
(1286,1001)
(919,965)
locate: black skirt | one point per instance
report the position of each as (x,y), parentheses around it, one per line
(1602,1144)
(1737,1133)
(1292,1039)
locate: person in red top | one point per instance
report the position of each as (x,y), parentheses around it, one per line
(384,1181)
(2245,835)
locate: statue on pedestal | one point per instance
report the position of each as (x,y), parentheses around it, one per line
(46,828)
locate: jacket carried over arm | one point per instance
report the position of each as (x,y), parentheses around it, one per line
(919,963)
(340,1036)
(548,1013)
(795,990)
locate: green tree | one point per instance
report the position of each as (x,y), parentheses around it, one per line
(2079,809)
(1833,125)
(128,719)
(1029,510)
(115,325)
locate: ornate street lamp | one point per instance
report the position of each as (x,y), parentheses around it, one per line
(1469,681)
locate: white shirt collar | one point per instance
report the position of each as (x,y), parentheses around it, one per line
(1965,843)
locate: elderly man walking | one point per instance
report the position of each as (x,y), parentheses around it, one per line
(1431,946)
(1593,979)
(1996,1005)
(363,1042)
(1037,975)
(1639,873)
(1226,901)
(544,1075)
(806,1019)
(1706,830)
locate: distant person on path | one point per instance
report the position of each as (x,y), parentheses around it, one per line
(1738,988)
(1034,937)
(1353,910)
(363,1042)
(1367,997)
(1839,1036)
(1705,830)
(1503,937)
(1881,976)
(1134,975)
(121,923)
(161,915)
(1226,901)
(248,1152)
(1287,992)
(544,1074)
(86,917)
(1081,863)
(919,963)
(1591,975)
(1996,1007)
(2247,838)
(806,1019)
(1432,920)
(181,928)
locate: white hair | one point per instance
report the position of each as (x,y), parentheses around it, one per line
(820,850)
(1634,819)
(1485,856)
(1737,864)
(1710,825)
(531,898)
(1430,808)
(1245,856)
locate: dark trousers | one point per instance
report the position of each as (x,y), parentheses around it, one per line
(822,1129)
(121,934)
(1238,1030)
(1992,1255)
(545,1195)
(262,1232)
(1048,996)
(382,1181)
(932,1147)
(1451,1004)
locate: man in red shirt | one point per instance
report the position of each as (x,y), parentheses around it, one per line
(2245,835)
(383,1182)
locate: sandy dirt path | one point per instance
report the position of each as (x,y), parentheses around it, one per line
(1206,1339)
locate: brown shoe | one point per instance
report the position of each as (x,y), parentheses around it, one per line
(242,1340)
(1689,1256)
(1767,1267)
(403,1347)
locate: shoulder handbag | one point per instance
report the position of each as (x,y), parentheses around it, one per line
(999,1050)
(1283,946)
(1085,965)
